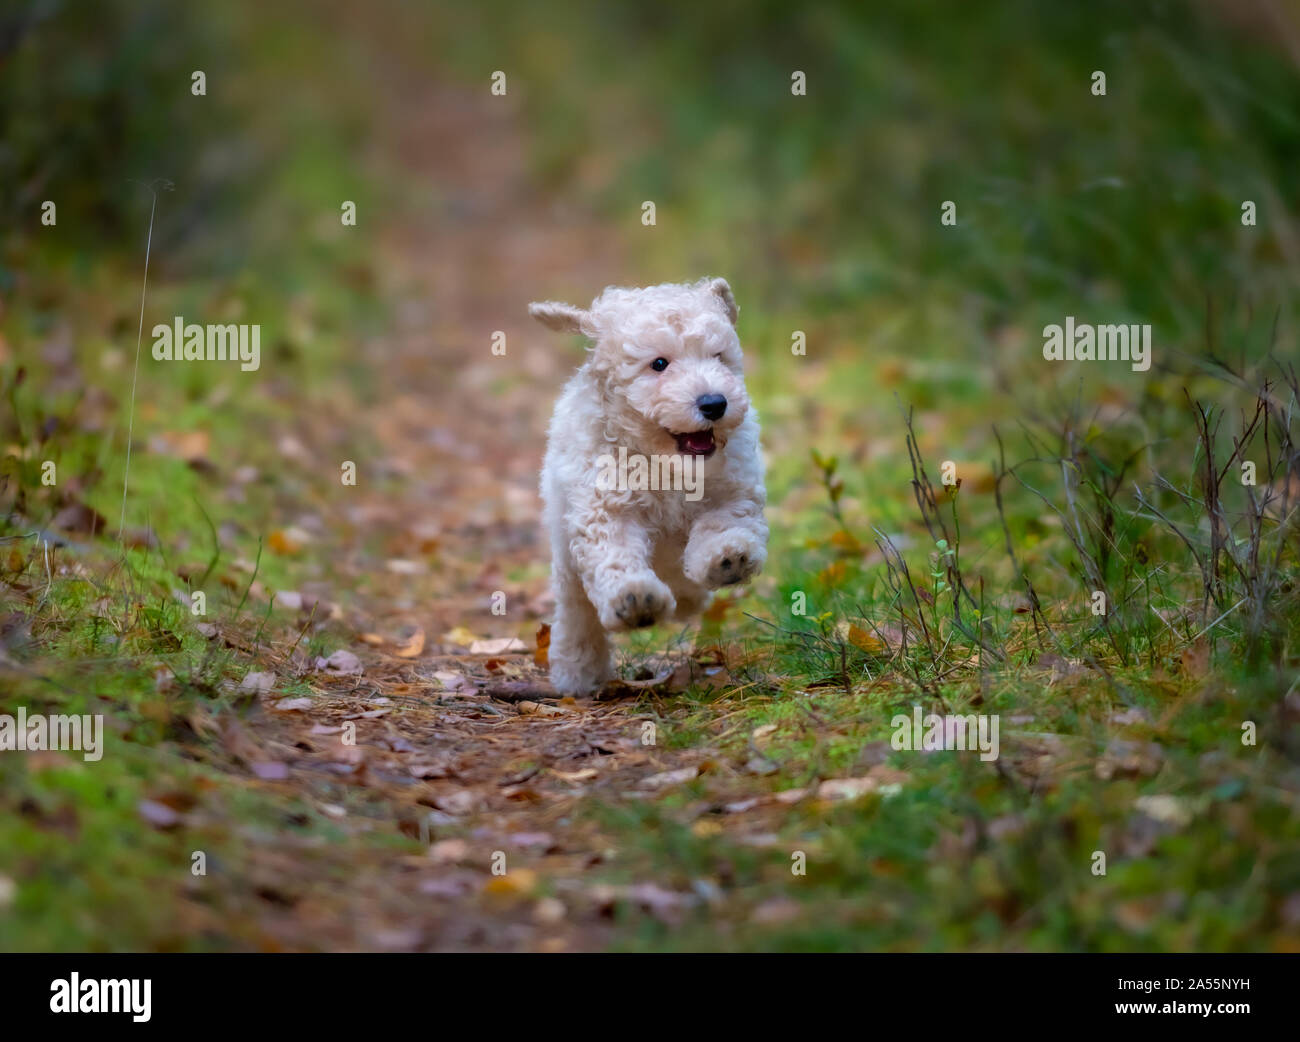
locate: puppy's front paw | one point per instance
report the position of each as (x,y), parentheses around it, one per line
(641,600)
(724,560)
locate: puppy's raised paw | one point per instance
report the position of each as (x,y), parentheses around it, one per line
(639,601)
(725,560)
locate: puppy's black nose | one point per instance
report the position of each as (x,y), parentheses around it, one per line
(711,406)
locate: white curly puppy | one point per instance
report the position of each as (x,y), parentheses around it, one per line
(664,383)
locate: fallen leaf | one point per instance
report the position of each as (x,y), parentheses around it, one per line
(661,903)
(257,683)
(528,708)
(846,788)
(833,574)
(619,687)
(523,775)
(413,646)
(575,777)
(776,912)
(532,840)
(846,543)
(458,801)
(497,646)
(78,518)
(863,640)
(1195,659)
(667,779)
(159,815)
(140,538)
(291,705)
(288,541)
(436,769)
(1136,915)
(1127,759)
(453,681)
(1169,810)
(448,851)
(974,477)
(186,445)
(1060,667)
(519,883)
(460,884)
(549,911)
(341,663)
(459,636)
(542,656)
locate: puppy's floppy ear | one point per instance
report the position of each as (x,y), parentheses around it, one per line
(723,292)
(563,318)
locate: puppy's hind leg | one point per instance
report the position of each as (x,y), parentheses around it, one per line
(580,655)
(691,597)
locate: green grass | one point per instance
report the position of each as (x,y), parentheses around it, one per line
(961,855)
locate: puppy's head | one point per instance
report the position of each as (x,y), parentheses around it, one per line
(667,362)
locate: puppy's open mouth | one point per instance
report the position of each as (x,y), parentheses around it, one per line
(696,443)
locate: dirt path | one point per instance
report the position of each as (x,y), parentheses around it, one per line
(460,750)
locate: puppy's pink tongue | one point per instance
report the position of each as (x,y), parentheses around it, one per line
(696,443)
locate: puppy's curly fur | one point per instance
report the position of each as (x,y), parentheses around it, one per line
(623,558)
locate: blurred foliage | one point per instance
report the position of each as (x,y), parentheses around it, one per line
(1132,199)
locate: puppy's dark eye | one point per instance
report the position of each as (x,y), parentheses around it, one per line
(659,365)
